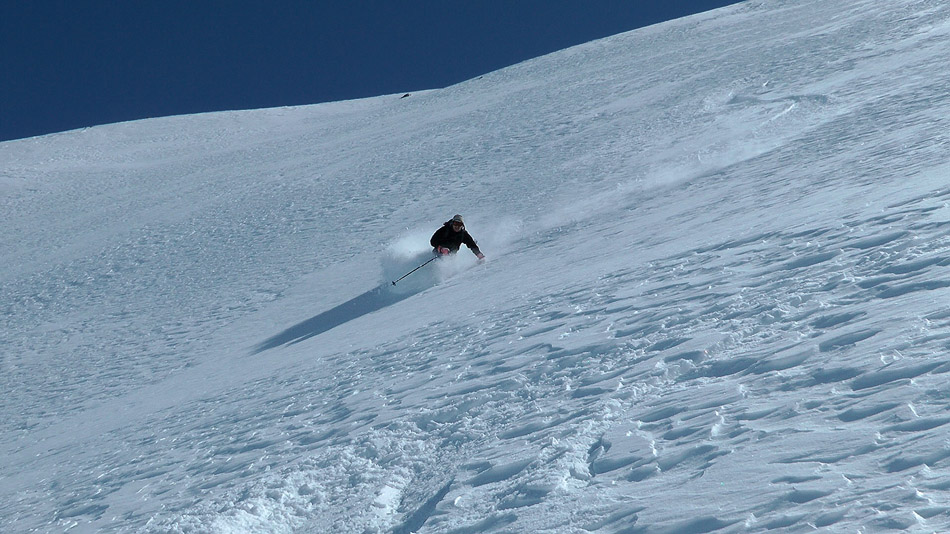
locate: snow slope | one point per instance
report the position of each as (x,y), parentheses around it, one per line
(716,297)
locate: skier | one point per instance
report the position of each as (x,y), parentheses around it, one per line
(449,238)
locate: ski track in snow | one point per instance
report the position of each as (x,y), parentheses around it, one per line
(729,313)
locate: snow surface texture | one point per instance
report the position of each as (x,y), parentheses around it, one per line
(717,297)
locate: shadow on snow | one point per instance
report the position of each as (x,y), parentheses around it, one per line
(373,300)
(382,296)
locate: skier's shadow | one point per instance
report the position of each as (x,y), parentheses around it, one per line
(373,300)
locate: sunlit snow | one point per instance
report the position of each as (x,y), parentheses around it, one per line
(716,297)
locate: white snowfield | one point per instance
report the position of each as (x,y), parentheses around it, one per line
(716,298)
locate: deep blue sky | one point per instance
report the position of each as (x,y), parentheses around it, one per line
(72,63)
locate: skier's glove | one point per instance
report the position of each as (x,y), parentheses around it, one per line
(480,256)
(443,251)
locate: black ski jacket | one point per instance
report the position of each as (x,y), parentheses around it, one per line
(452,240)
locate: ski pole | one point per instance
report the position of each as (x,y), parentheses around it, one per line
(414,270)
